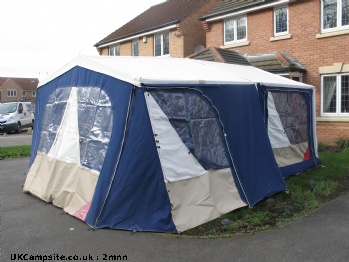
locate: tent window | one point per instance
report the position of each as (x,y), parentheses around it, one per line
(94,123)
(54,110)
(291,107)
(196,123)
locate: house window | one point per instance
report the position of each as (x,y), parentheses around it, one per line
(34,94)
(335,15)
(335,94)
(162,44)
(23,93)
(281,21)
(295,76)
(11,93)
(114,50)
(135,51)
(235,30)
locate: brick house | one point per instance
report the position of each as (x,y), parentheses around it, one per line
(307,38)
(170,28)
(18,89)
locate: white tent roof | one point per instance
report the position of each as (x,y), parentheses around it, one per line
(174,71)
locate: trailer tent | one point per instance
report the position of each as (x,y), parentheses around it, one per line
(166,144)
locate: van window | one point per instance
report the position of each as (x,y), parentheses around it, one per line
(8,108)
(20,108)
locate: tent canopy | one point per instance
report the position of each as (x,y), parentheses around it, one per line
(164,144)
(174,71)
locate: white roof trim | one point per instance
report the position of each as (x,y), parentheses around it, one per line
(249,10)
(138,36)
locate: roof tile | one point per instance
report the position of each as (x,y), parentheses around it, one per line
(25,83)
(220,55)
(167,13)
(227,6)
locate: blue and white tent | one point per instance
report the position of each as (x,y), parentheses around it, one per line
(165,144)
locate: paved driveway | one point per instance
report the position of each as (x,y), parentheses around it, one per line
(29,226)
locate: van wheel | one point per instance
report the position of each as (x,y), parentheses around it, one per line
(19,128)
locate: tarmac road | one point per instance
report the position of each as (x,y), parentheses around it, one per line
(13,139)
(31,227)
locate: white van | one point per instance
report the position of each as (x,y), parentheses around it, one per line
(16,115)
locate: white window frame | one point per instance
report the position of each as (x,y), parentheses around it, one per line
(235,19)
(338,95)
(134,53)
(162,43)
(114,50)
(11,93)
(288,21)
(34,94)
(339,18)
(23,93)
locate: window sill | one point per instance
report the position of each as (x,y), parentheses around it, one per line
(332,119)
(280,37)
(236,44)
(334,33)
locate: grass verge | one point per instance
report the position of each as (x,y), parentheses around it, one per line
(14,152)
(329,181)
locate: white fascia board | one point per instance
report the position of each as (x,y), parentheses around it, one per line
(249,10)
(139,35)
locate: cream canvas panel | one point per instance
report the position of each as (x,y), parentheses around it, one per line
(66,185)
(198,200)
(292,154)
(39,176)
(176,162)
(276,131)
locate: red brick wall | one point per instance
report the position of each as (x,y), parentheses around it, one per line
(194,34)
(304,17)
(328,132)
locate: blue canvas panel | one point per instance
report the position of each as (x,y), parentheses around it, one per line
(137,199)
(294,106)
(258,175)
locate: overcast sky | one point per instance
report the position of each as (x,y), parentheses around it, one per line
(37,37)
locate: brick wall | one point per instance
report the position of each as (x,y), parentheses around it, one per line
(11,85)
(304,17)
(126,48)
(147,48)
(328,132)
(192,29)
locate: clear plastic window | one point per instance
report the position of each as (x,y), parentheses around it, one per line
(195,121)
(291,107)
(94,121)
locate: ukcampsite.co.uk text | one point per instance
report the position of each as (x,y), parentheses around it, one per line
(57,257)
